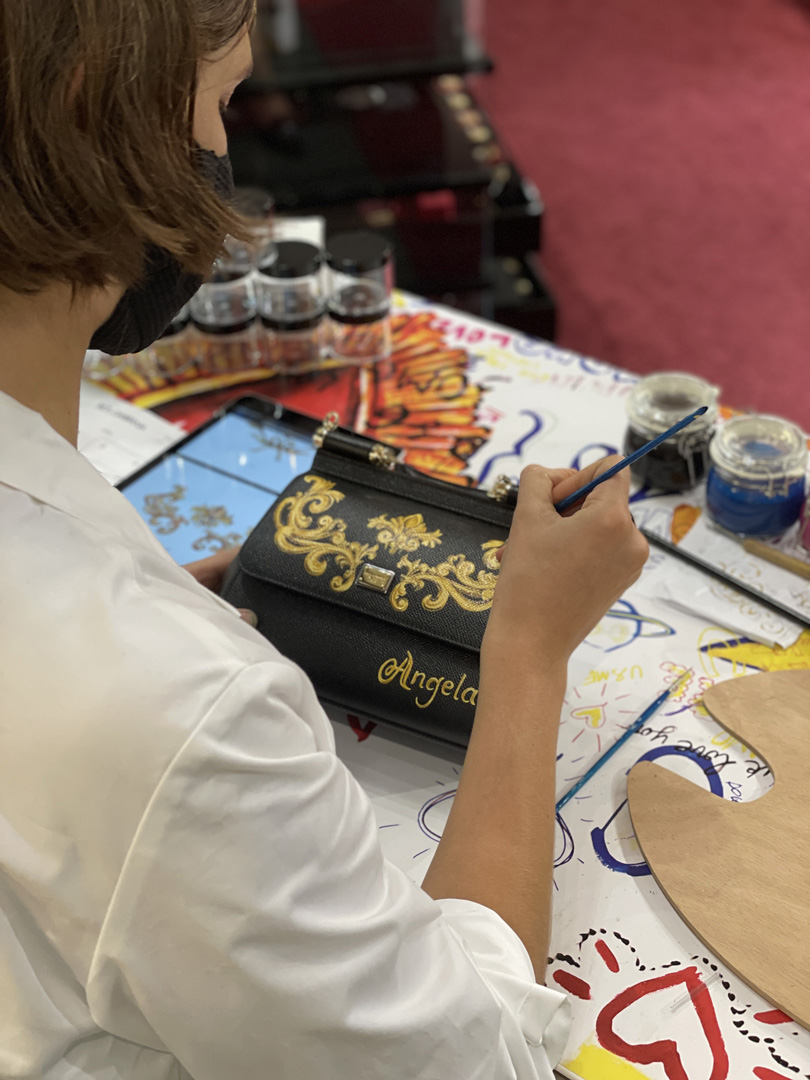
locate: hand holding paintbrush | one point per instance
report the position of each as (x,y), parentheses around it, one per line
(586,489)
(581,492)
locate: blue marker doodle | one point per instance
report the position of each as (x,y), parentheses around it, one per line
(640,626)
(641,869)
(603,449)
(596,367)
(429,805)
(526,346)
(517,446)
(567,853)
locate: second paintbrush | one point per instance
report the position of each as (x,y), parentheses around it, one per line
(586,489)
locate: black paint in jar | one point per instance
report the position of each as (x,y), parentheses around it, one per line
(654,405)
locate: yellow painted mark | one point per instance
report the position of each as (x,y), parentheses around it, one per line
(683,518)
(199,386)
(596,1063)
(745,654)
(594,715)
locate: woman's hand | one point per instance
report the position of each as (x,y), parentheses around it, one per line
(211,572)
(561,573)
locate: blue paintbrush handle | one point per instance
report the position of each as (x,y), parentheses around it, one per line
(575,497)
(637,725)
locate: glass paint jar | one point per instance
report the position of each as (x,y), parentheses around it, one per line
(804,528)
(362,278)
(756,483)
(171,354)
(225,315)
(656,403)
(292,306)
(255,206)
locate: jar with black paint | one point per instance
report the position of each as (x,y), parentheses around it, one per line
(172,353)
(255,206)
(656,403)
(362,279)
(292,306)
(224,312)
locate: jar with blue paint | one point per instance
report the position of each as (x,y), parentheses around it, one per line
(756,481)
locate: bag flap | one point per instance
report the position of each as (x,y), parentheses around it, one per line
(400,556)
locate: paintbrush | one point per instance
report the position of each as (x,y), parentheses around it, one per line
(764,551)
(777,557)
(634,727)
(735,583)
(586,489)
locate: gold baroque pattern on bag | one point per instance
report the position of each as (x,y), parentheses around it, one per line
(304,527)
(404,533)
(299,533)
(454,579)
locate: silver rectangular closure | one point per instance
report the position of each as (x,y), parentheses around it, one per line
(376,578)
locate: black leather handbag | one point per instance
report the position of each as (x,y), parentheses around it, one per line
(378,581)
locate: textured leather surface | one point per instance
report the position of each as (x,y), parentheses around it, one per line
(411,484)
(343,654)
(417,668)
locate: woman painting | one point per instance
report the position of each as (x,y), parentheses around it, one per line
(191,883)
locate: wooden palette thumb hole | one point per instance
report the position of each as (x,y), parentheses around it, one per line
(739,873)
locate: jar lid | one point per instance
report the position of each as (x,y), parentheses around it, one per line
(253,203)
(293,259)
(658,401)
(759,447)
(357,252)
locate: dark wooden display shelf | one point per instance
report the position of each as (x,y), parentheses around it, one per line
(415,159)
(300,44)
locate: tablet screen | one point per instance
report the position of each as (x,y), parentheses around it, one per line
(208,493)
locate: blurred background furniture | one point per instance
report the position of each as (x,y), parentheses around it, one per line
(360,112)
(671,144)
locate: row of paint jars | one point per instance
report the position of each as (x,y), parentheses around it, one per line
(755,466)
(292,310)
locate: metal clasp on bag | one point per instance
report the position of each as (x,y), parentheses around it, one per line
(504,490)
(330,423)
(383,456)
(349,445)
(376,578)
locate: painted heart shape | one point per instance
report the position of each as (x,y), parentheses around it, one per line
(594,715)
(665,1051)
(362,731)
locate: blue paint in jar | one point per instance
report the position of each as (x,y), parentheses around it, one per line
(756,483)
(751,512)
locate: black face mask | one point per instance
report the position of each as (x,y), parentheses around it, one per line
(143,313)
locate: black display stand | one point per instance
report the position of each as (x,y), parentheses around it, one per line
(300,44)
(360,122)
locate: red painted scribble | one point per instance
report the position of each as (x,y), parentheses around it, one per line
(578,987)
(769,1074)
(362,732)
(603,949)
(665,1051)
(773,1016)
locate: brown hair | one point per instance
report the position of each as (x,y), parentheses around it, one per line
(96,145)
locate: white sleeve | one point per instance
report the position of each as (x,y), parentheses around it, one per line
(257,931)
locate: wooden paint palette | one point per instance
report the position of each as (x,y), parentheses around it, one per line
(739,873)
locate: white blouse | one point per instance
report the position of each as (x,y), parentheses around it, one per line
(191,883)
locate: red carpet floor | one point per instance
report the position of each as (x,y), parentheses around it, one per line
(671,142)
